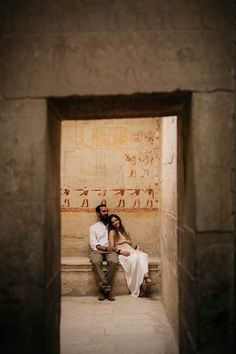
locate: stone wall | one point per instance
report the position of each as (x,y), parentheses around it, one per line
(61,48)
(68,47)
(30,229)
(168,234)
(116,162)
(214,222)
(206,236)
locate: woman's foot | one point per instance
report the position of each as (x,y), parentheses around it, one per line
(147,279)
(142,292)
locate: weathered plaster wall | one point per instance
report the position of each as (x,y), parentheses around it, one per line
(115,161)
(169,222)
(59,48)
(105,47)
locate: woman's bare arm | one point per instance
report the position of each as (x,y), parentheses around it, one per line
(112,246)
(121,242)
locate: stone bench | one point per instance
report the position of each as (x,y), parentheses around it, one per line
(78,277)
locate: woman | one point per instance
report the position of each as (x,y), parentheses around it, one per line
(134,262)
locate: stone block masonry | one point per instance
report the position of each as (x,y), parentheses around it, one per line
(63,48)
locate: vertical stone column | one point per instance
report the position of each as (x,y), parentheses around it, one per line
(168,234)
(29,226)
(234,198)
(52,250)
(206,234)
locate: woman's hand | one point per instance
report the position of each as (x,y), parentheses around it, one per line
(125,253)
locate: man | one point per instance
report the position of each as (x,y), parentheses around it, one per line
(98,238)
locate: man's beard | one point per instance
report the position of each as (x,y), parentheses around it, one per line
(104,218)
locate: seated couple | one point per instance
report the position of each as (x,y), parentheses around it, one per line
(110,242)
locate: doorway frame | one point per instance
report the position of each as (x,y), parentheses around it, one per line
(138,105)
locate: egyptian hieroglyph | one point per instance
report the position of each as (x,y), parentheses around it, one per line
(113,161)
(117,162)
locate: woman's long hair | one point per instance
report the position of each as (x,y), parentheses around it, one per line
(121,228)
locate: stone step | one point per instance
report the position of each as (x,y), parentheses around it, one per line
(78,277)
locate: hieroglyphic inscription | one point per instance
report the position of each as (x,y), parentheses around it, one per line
(114,163)
(144,136)
(65,198)
(139,163)
(124,198)
(109,137)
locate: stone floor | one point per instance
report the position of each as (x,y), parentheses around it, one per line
(127,325)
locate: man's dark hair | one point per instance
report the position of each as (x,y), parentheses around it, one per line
(100,206)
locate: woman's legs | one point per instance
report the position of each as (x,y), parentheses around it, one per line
(143,260)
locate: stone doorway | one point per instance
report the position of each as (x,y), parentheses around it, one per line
(139,105)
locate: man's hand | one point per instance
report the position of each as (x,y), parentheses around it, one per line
(101,248)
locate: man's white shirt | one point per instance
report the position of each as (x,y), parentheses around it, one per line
(98,235)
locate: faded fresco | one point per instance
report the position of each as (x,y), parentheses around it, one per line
(113,161)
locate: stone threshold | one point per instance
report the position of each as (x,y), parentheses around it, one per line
(78,277)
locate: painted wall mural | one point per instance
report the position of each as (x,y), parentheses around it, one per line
(115,161)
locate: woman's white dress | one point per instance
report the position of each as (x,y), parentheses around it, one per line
(135,266)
